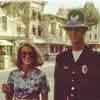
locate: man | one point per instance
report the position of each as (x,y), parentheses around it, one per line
(77,70)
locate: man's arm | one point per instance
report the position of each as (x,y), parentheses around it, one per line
(58,82)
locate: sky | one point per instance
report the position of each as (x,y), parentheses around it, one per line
(52,5)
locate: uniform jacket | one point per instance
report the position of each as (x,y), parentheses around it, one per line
(77,80)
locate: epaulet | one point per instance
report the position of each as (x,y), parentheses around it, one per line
(95,52)
(63,52)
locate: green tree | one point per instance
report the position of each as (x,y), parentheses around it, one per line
(91,12)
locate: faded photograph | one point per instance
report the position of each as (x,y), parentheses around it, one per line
(50,27)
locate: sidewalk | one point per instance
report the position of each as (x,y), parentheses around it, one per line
(46,64)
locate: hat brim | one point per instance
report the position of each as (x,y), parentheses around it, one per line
(76,26)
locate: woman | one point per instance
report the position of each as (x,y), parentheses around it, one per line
(27,82)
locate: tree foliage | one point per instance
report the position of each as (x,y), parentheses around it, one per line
(91,13)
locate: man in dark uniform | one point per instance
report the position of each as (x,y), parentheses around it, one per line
(77,70)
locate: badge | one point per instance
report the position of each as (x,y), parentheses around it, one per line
(84,69)
(66,67)
(75,18)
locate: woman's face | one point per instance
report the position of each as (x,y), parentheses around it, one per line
(26,55)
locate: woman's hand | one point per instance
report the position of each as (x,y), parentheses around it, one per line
(8,90)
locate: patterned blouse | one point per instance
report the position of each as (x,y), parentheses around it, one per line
(30,87)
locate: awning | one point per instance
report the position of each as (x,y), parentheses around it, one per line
(5,43)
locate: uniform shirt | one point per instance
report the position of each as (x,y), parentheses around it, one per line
(76,54)
(77,80)
(30,86)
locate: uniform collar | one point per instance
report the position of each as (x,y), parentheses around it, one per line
(84,53)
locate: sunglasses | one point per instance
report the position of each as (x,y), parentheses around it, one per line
(24,54)
(75,30)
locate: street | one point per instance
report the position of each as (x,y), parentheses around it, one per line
(48,68)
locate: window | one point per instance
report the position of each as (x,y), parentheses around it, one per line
(39,16)
(90,36)
(33,15)
(18,29)
(8,50)
(4,23)
(39,30)
(34,30)
(51,49)
(60,30)
(53,28)
(95,36)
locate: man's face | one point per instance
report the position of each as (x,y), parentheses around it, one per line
(76,35)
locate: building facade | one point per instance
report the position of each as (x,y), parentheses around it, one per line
(93,36)
(12,28)
(54,33)
(8,36)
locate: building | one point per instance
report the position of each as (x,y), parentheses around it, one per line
(8,35)
(93,36)
(36,34)
(54,33)
(12,28)
(46,31)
